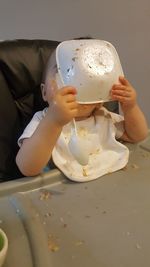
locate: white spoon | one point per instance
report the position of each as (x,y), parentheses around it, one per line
(77,146)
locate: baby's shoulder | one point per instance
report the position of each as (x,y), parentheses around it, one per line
(39,115)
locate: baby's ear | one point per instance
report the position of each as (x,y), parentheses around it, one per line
(43,91)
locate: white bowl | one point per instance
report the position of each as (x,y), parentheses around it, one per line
(92,66)
(3,246)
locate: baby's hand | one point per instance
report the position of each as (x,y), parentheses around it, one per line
(63,105)
(124,93)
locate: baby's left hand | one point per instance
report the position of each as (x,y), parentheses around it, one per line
(124,93)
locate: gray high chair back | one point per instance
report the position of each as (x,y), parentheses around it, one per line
(21,66)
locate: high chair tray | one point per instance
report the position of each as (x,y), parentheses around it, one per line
(50,221)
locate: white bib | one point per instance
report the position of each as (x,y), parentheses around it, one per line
(106,154)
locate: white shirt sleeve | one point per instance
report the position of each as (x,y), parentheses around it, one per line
(118,121)
(31,127)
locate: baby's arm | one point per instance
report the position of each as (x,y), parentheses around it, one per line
(36,151)
(136,128)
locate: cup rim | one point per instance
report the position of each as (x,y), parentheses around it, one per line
(5,245)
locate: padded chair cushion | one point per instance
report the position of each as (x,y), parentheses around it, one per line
(21,66)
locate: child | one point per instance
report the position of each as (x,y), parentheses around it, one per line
(49,131)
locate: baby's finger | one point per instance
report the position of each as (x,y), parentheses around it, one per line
(68,90)
(116,87)
(121,98)
(74,112)
(73,105)
(121,93)
(70,98)
(124,81)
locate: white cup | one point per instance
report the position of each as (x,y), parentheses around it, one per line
(3,246)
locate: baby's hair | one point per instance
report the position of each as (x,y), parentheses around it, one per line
(88,37)
(51,66)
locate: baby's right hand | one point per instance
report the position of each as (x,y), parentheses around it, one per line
(63,106)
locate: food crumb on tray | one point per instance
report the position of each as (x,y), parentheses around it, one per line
(84,172)
(135,166)
(138,246)
(79,243)
(52,244)
(45,194)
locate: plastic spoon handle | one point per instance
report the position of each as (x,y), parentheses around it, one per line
(74,127)
(76,146)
